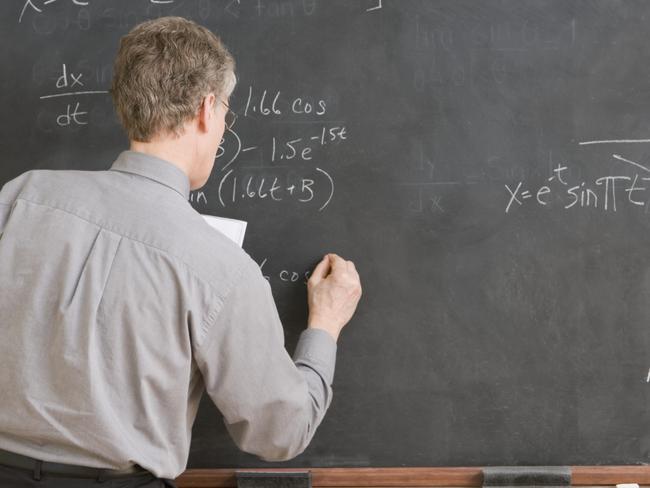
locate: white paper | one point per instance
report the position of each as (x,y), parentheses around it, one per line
(233,229)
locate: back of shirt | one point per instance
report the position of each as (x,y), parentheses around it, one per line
(115,297)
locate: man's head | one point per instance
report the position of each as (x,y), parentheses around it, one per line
(171,83)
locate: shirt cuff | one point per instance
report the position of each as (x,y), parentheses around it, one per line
(317,349)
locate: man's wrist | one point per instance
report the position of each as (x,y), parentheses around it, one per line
(332,331)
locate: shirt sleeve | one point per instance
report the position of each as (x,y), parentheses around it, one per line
(4,215)
(271,404)
(5,208)
(8,194)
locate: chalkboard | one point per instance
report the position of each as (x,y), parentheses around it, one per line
(486,164)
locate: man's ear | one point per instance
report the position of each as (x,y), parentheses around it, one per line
(207,112)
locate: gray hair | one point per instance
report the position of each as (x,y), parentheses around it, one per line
(163,69)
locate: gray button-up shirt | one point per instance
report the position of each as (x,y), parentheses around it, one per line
(120,305)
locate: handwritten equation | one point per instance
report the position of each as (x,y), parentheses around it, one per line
(318,186)
(277,167)
(70,86)
(284,275)
(203,10)
(482,52)
(606,193)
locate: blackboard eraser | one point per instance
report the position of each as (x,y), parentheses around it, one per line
(273,479)
(547,476)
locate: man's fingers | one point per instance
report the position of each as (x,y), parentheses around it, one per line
(321,270)
(338,263)
(334,264)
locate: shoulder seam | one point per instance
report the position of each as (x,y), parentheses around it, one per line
(134,239)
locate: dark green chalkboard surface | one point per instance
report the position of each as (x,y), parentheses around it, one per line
(486,164)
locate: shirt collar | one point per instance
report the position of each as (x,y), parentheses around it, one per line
(154,168)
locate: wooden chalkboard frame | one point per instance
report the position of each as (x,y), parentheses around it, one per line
(408,477)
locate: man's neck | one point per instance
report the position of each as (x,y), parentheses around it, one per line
(175,152)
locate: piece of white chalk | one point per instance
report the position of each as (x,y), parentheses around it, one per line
(628,485)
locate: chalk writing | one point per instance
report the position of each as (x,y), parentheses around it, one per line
(286,164)
(606,193)
(432,37)
(614,141)
(32,6)
(316,185)
(301,148)
(429,181)
(497,52)
(269,103)
(525,35)
(284,9)
(376,7)
(286,275)
(71,85)
(233,8)
(423,202)
(44,24)
(198,197)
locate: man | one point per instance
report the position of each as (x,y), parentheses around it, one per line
(120,305)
